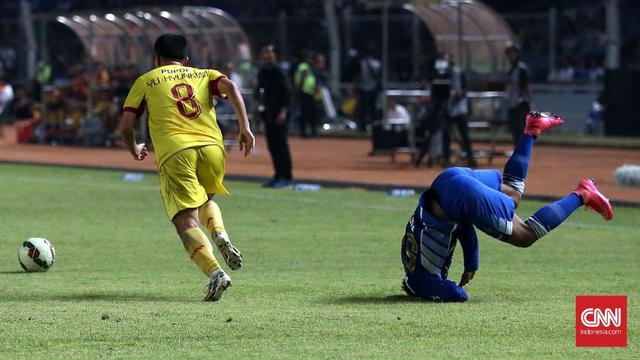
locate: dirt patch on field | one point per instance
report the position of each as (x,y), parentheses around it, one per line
(554,171)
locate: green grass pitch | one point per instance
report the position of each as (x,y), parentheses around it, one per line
(321,278)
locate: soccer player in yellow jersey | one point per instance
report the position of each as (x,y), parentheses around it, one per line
(189,150)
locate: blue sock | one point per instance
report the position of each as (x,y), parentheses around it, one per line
(552,215)
(516,169)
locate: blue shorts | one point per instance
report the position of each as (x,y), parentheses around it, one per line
(474,196)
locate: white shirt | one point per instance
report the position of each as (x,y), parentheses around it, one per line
(6,95)
(397,115)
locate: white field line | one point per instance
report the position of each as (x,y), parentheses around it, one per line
(84,180)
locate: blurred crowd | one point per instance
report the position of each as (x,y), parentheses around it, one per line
(81,103)
(61,110)
(569,71)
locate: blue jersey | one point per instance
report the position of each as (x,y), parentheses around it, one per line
(430,242)
(470,198)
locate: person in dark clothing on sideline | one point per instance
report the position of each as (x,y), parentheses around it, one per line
(434,121)
(458,110)
(517,92)
(272,96)
(368,89)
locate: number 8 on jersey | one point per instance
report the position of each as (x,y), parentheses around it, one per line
(183,93)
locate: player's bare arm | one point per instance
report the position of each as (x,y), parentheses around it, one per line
(125,129)
(245,136)
(466,277)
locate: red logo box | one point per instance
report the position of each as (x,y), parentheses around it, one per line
(601,321)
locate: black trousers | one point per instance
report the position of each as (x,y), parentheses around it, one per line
(433,122)
(278,144)
(308,114)
(366,110)
(460,122)
(516,118)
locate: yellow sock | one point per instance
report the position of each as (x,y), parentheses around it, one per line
(211,216)
(200,250)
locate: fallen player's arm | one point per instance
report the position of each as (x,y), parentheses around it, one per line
(469,243)
(245,137)
(125,129)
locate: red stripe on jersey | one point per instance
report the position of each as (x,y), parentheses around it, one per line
(139,110)
(213,85)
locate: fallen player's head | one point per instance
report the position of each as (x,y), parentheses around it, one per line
(170,47)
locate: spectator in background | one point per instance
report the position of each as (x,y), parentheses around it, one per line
(6,96)
(230,71)
(397,114)
(565,72)
(272,98)
(320,70)
(121,81)
(458,111)
(22,108)
(435,118)
(305,85)
(48,127)
(596,71)
(369,85)
(349,103)
(45,71)
(324,101)
(245,67)
(79,88)
(43,77)
(581,73)
(100,75)
(8,58)
(562,73)
(595,118)
(93,129)
(517,92)
(351,66)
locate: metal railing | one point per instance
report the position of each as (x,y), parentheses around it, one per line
(486,111)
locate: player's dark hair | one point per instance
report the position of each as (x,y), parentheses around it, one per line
(171,47)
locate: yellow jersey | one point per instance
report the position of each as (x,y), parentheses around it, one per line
(179,103)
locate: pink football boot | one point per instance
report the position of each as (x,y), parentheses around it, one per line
(593,199)
(537,122)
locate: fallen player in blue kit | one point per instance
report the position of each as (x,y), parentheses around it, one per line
(460,199)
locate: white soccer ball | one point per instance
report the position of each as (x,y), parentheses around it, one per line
(627,175)
(36,255)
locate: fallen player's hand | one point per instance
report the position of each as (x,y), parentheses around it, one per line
(246,141)
(141,152)
(466,277)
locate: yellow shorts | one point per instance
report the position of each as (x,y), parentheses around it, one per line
(190,176)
